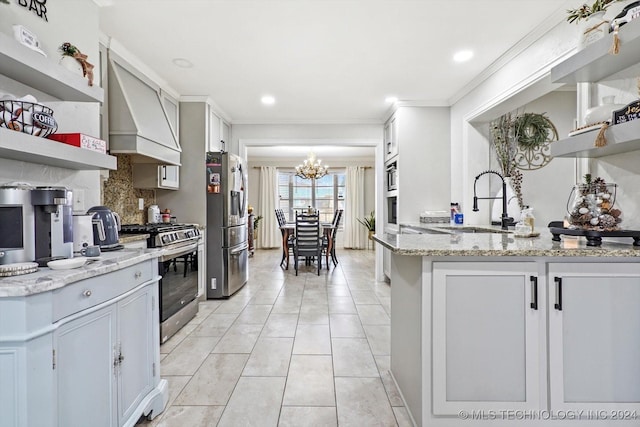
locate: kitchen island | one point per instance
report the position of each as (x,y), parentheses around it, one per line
(81,346)
(491,329)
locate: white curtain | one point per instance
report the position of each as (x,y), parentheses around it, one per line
(269,233)
(355,234)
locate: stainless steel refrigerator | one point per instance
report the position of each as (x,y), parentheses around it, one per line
(227,221)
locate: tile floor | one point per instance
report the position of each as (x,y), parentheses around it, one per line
(287,351)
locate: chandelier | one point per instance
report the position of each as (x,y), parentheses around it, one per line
(312,168)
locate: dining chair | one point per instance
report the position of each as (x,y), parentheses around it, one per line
(307,241)
(329,240)
(287,239)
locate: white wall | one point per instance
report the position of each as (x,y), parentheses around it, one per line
(519,82)
(68,20)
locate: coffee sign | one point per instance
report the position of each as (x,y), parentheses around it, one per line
(628,113)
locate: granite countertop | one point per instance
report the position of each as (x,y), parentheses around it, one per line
(128,238)
(451,241)
(46,279)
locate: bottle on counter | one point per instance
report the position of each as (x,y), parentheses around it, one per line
(455,209)
(527,218)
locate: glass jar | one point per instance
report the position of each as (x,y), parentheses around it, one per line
(592,207)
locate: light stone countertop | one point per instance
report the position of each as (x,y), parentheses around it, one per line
(46,279)
(450,241)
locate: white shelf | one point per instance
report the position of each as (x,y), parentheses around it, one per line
(29,67)
(23,147)
(595,63)
(621,138)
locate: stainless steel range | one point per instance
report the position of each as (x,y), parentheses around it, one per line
(178,266)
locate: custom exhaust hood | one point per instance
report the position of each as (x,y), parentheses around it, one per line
(138,123)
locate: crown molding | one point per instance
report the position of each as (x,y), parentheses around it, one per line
(308,122)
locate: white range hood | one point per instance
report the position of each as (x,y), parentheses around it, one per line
(138,123)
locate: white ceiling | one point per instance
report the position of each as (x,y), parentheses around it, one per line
(323,152)
(325,61)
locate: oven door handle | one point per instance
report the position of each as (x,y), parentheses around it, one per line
(237,251)
(169,254)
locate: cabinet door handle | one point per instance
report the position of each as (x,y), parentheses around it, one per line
(87,293)
(137,274)
(534,292)
(558,304)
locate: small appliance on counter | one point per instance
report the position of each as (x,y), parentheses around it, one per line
(53,216)
(106,225)
(17,228)
(82,231)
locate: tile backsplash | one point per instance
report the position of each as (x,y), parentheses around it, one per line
(121,197)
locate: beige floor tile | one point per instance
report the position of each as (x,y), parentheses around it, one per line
(352,358)
(364,296)
(305,416)
(280,325)
(310,382)
(402,416)
(234,306)
(239,338)
(370,408)
(187,357)
(254,402)
(177,338)
(192,416)
(214,382)
(342,305)
(254,314)
(176,385)
(265,296)
(215,325)
(345,326)
(205,308)
(312,339)
(286,307)
(269,358)
(373,315)
(314,314)
(384,362)
(379,337)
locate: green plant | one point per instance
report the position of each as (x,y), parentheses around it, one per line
(585,11)
(369,221)
(256,221)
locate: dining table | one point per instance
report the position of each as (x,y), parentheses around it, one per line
(289,229)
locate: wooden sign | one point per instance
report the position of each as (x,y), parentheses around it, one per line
(628,113)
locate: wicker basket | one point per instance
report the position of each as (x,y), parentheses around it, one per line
(27,117)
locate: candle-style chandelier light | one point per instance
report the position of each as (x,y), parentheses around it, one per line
(312,168)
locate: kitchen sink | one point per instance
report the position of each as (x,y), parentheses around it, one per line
(473,229)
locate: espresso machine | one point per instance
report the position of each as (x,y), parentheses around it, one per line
(53,216)
(17,242)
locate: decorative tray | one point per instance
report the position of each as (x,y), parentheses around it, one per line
(594,238)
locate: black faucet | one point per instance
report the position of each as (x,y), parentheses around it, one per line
(505,220)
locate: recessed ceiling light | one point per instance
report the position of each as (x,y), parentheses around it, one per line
(391,99)
(463,56)
(268,100)
(182,63)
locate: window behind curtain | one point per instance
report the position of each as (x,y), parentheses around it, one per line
(296,194)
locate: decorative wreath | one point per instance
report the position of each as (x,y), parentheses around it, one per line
(534,130)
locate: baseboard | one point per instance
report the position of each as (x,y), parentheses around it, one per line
(413,421)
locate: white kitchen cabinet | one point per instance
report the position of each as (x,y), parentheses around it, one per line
(391,138)
(85,361)
(386,262)
(148,175)
(225,134)
(202,262)
(594,325)
(486,337)
(215,131)
(87,353)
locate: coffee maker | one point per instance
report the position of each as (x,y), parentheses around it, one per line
(53,214)
(17,242)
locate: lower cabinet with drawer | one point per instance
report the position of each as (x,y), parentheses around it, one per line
(97,362)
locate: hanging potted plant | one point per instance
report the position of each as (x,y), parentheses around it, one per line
(370,223)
